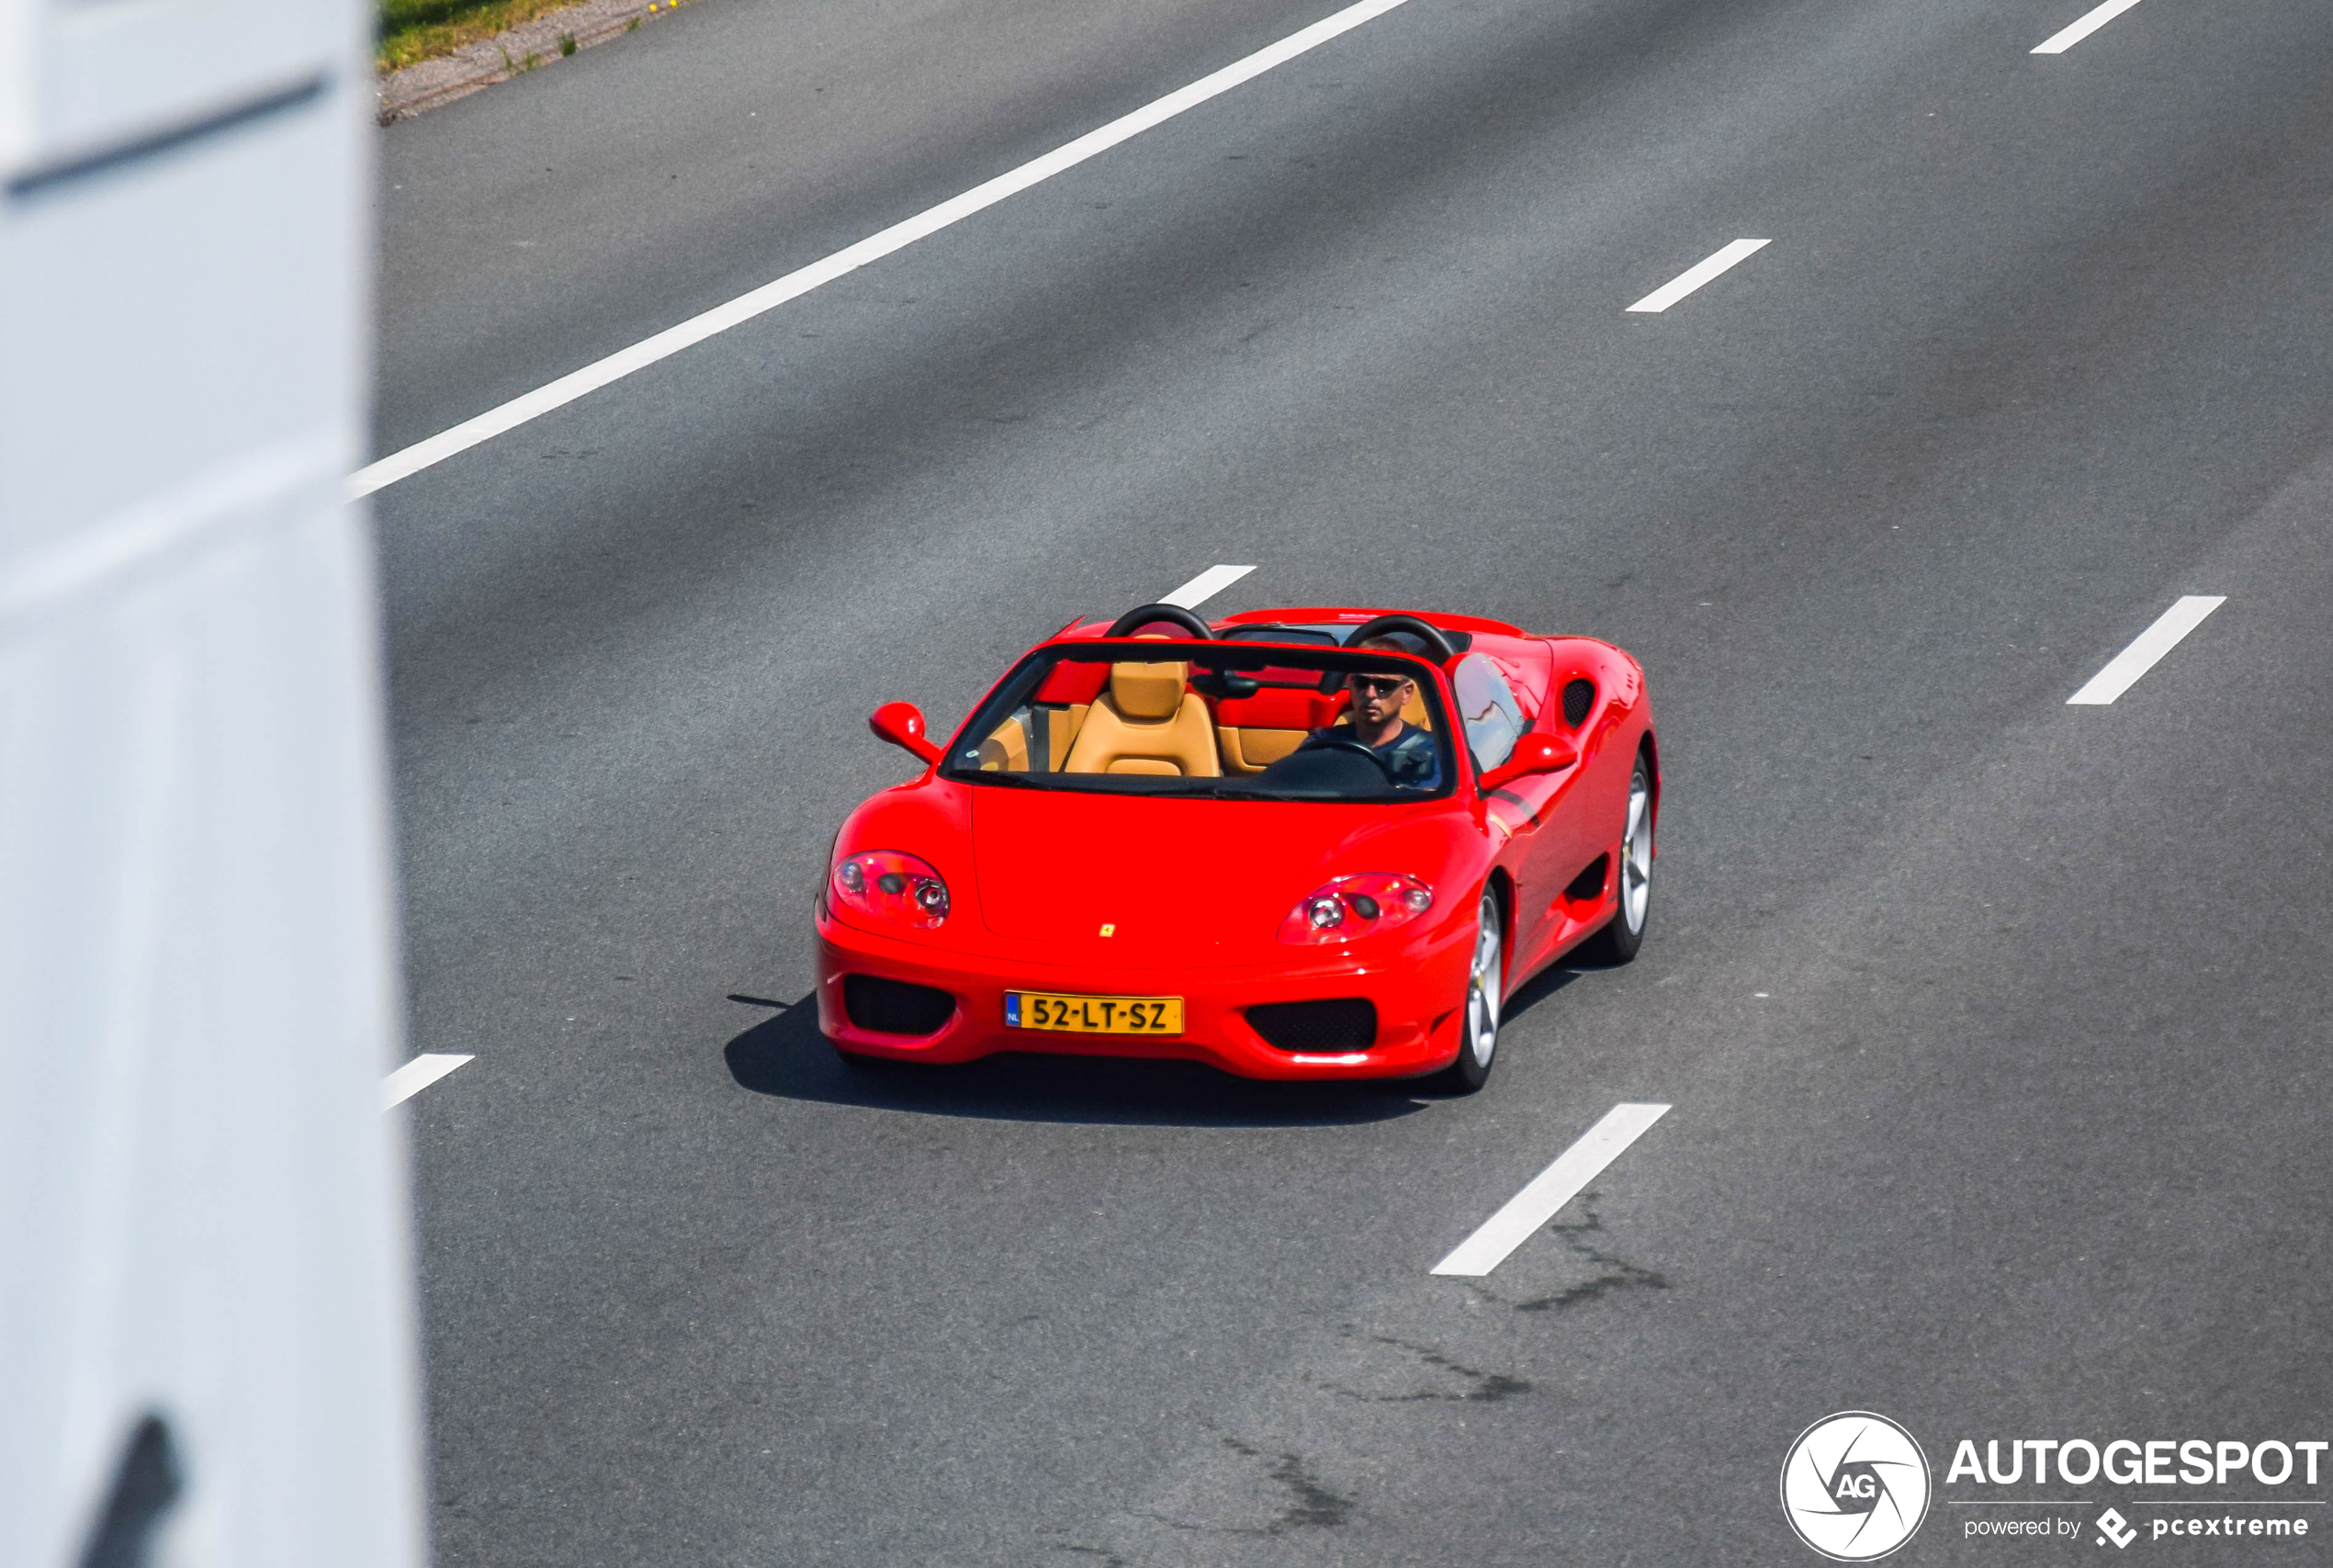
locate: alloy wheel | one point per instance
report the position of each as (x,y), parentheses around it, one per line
(1636,855)
(1484,982)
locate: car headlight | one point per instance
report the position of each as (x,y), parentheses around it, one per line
(891,885)
(1355,906)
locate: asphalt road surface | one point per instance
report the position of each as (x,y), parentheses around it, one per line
(1995,1028)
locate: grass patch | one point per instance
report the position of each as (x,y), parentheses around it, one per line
(415,31)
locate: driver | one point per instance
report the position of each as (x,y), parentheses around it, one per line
(1373,717)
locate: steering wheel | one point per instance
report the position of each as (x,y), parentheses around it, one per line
(1190,621)
(1435,643)
(1324,769)
(1343,743)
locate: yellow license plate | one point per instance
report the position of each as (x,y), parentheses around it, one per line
(1094,1015)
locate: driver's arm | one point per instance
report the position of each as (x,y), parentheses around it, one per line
(1414,759)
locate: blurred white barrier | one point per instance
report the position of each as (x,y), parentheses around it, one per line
(203,1288)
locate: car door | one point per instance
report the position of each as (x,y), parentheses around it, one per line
(1545,852)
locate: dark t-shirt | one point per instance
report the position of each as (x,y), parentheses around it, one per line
(1410,759)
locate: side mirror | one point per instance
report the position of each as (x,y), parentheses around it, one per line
(902,725)
(1534,753)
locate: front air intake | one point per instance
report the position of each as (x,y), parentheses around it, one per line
(1347,1023)
(894,1007)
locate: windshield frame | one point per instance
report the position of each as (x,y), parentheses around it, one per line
(1015,690)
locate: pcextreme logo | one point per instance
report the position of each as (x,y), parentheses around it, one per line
(1855,1487)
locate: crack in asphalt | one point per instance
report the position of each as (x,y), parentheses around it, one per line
(1489,1387)
(1623,1276)
(1314,1504)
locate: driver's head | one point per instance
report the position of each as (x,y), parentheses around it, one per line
(1378,696)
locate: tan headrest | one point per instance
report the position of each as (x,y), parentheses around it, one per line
(1148,691)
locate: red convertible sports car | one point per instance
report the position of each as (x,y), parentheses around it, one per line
(1309,843)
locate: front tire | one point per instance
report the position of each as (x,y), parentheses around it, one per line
(1486,992)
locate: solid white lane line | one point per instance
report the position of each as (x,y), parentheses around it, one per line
(416,1075)
(2123,670)
(874,247)
(2060,42)
(1206,585)
(1685,283)
(1549,1191)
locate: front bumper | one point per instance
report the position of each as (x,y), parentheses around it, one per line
(1417,987)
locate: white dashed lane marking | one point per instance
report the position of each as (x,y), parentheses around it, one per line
(416,1075)
(1549,1191)
(2123,670)
(2060,41)
(874,247)
(1206,585)
(1685,283)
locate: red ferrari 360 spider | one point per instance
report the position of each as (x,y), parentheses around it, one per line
(1307,843)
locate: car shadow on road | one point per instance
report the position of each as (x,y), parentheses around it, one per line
(786,1056)
(1542,985)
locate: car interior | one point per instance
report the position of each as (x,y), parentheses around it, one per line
(1151,718)
(1237,716)
(1234,710)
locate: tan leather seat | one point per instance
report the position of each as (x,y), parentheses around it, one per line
(1147,722)
(1250,751)
(1006,751)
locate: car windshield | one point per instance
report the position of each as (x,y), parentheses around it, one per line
(1213,720)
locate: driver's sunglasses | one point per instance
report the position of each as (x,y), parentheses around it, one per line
(1377,685)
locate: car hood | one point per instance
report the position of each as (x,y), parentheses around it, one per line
(1183,881)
